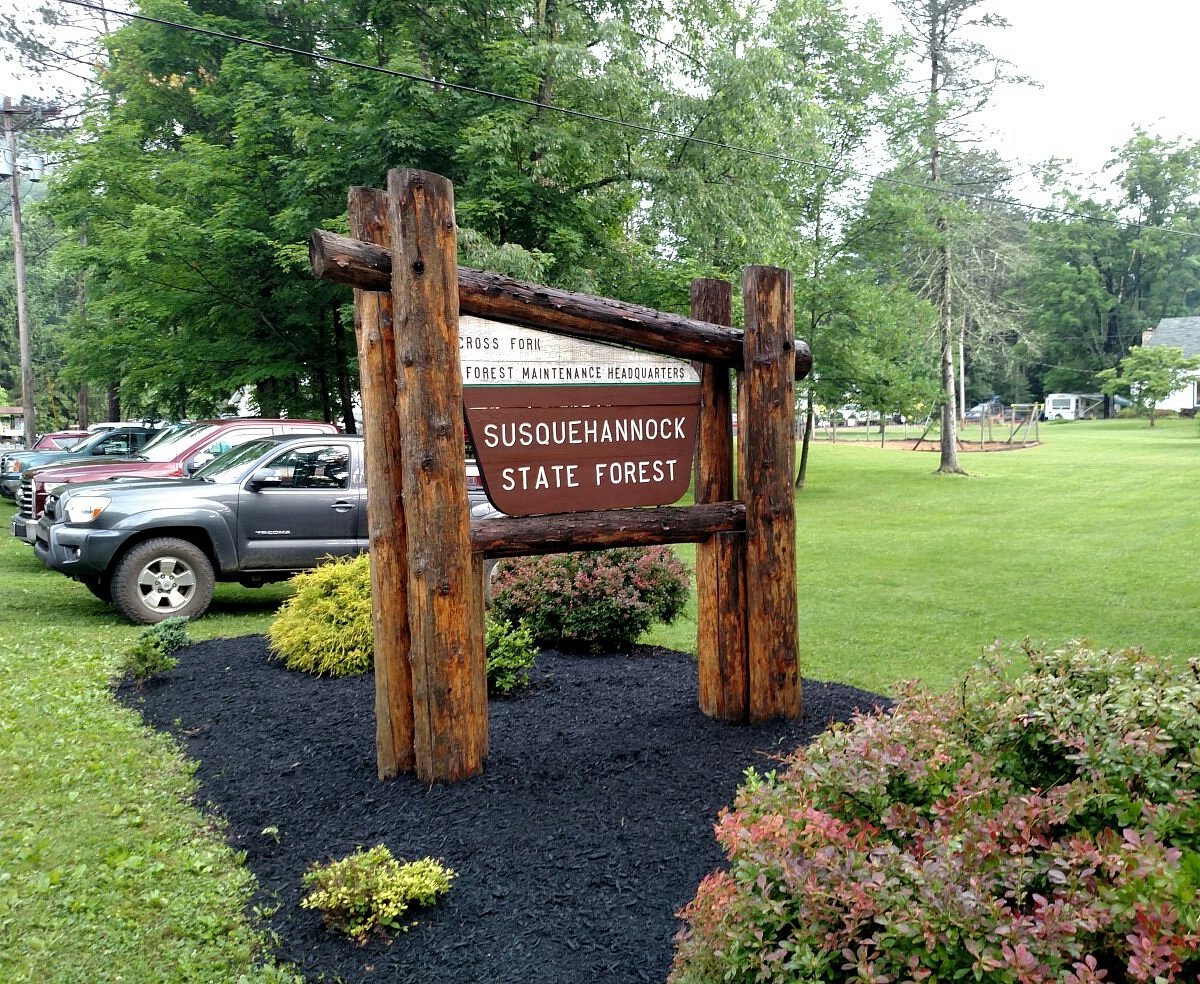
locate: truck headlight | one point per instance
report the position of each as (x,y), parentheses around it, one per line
(85,508)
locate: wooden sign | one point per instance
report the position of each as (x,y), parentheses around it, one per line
(565,425)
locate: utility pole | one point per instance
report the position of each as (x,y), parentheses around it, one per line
(12,167)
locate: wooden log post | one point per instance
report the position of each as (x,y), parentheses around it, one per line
(385,508)
(766,452)
(721,636)
(524,536)
(445,603)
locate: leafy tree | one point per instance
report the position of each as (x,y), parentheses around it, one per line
(49,297)
(1148,374)
(205,166)
(1125,261)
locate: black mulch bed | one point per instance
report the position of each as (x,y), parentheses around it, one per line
(590,826)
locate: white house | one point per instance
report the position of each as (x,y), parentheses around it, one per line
(1181,333)
(12,424)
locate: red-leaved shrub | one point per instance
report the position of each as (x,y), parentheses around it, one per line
(1041,825)
(598,598)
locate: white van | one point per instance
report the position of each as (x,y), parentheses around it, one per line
(1073,406)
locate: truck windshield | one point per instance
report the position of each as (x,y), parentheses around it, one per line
(170,448)
(165,436)
(234,463)
(86,445)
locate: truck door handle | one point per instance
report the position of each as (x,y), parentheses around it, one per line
(342,505)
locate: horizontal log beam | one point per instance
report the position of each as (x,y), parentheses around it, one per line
(344,260)
(519,536)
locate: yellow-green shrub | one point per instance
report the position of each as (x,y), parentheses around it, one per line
(511,653)
(370,891)
(325,627)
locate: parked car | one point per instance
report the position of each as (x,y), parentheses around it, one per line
(54,441)
(260,512)
(181,454)
(268,508)
(117,442)
(852,415)
(59,440)
(991,407)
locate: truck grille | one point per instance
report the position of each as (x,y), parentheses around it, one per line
(25,498)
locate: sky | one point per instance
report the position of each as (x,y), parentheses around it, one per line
(1105,67)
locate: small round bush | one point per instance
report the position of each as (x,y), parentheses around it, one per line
(1041,826)
(511,653)
(369,892)
(325,627)
(152,653)
(599,598)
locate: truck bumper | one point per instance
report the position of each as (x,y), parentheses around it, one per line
(75,550)
(24,529)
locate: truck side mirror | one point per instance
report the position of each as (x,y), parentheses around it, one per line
(201,459)
(264,478)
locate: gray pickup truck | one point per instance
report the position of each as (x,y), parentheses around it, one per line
(260,512)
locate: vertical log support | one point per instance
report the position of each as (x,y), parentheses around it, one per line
(721,638)
(766,450)
(445,610)
(378,381)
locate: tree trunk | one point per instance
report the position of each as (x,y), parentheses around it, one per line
(962,371)
(806,439)
(345,394)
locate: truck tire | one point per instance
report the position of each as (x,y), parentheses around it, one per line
(162,578)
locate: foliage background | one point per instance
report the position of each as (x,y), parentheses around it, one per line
(617,148)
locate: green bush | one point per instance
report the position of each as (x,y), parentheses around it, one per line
(1042,825)
(600,598)
(151,652)
(369,892)
(325,627)
(511,653)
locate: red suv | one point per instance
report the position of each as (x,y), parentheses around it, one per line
(176,456)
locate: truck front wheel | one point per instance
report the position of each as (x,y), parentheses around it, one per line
(162,578)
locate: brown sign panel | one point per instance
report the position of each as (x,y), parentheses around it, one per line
(564,425)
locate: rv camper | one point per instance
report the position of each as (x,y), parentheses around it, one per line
(1078,406)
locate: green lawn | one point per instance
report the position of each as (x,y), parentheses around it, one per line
(904,573)
(107,872)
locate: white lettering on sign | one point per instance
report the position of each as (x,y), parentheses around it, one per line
(547,433)
(536,477)
(634,472)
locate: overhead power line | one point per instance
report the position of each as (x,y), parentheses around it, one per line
(626,124)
